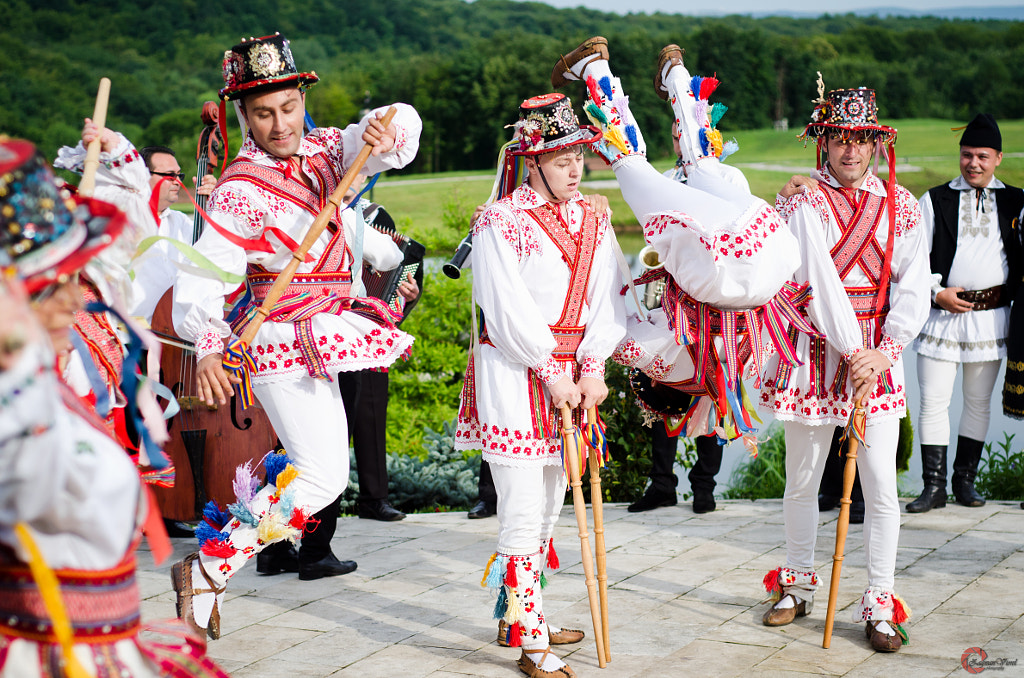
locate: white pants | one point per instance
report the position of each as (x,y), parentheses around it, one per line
(937,378)
(806,447)
(308,416)
(529,501)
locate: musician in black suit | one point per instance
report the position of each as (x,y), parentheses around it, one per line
(976,262)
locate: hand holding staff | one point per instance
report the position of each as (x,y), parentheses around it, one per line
(570,440)
(92,155)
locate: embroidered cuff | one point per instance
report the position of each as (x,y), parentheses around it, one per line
(549,370)
(591,366)
(780,202)
(209,341)
(880,604)
(401,138)
(892,349)
(785,580)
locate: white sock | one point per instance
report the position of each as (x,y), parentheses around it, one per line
(883,627)
(575,71)
(595,69)
(551,662)
(202,604)
(553,629)
(785,603)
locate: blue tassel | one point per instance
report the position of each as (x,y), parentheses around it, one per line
(631,135)
(240,511)
(728,149)
(496,575)
(205,532)
(213,514)
(286,503)
(501,605)
(606,86)
(695,82)
(274,464)
(703,136)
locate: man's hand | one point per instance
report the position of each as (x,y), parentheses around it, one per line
(408,288)
(476,214)
(213,380)
(865,367)
(108,139)
(381,138)
(594,391)
(798,184)
(948,300)
(600,205)
(565,392)
(206,187)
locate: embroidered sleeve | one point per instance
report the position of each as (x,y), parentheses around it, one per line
(208,342)
(592,367)
(908,212)
(891,348)
(783,206)
(228,200)
(516,232)
(549,370)
(401,137)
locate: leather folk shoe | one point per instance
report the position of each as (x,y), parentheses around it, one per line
(277,558)
(181,581)
(670,54)
(883,642)
(379,509)
(653,499)
(560,637)
(532,669)
(328,566)
(776,616)
(563,73)
(483,509)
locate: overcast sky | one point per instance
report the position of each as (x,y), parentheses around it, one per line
(765,6)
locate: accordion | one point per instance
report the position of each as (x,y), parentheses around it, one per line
(383,285)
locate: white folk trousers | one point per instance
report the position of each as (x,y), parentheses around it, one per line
(937,378)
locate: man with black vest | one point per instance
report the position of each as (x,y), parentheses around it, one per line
(976,263)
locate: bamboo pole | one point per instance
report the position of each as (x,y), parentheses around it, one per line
(92,154)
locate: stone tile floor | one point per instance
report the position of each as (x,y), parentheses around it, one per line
(685,599)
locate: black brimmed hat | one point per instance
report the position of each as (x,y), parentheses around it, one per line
(259,64)
(547,123)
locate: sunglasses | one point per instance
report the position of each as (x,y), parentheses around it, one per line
(171,175)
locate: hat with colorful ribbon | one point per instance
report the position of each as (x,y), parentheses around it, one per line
(259,64)
(846,111)
(547,123)
(47,231)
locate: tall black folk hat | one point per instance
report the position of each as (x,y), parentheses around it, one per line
(259,64)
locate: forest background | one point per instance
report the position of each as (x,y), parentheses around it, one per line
(465,67)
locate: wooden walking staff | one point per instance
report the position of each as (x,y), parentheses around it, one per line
(87,185)
(597,503)
(570,441)
(855,434)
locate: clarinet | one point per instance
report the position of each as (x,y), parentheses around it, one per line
(453,269)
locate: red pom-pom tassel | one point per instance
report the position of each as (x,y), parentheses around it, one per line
(707,87)
(771,581)
(899,611)
(552,556)
(510,574)
(298,519)
(515,633)
(595,91)
(218,548)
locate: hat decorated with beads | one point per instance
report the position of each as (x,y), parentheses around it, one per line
(257,64)
(46,231)
(846,111)
(547,123)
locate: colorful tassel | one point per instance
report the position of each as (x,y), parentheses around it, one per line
(900,610)
(606,87)
(514,612)
(595,114)
(487,569)
(501,605)
(702,136)
(218,548)
(285,477)
(245,483)
(206,532)
(214,516)
(708,86)
(243,514)
(510,574)
(543,580)
(515,633)
(614,137)
(494,574)
(695,86)
(274,463)
(728,148)
(621,104)
(595,93)
(772,585)
(716,113)
(714,142)
(552,556)
(631,134)
(298,519)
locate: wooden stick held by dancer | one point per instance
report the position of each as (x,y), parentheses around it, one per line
(87,185)
(573,453)
(597,503)
(334,203)
(843,524)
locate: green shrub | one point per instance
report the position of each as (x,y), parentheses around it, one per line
(1001,475)
(763,476)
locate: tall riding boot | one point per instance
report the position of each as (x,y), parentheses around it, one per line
(933,471)
(965,467)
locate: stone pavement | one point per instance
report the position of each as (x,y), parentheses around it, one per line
(685,597)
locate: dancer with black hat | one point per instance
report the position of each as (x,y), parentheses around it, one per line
(263,205)
(976,263)
(545,277)
(862,247)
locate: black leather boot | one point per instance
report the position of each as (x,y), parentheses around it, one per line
(965,468)
(933,471)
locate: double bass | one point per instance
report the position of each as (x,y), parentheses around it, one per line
(207,443)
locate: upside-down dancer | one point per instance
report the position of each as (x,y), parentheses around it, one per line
(863,253)
(262,206)
(544,276)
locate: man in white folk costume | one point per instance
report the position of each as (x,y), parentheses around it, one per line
(863,253)
(976,259)
(262,207)
(545,277)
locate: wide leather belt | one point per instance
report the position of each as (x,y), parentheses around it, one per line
(984,300)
